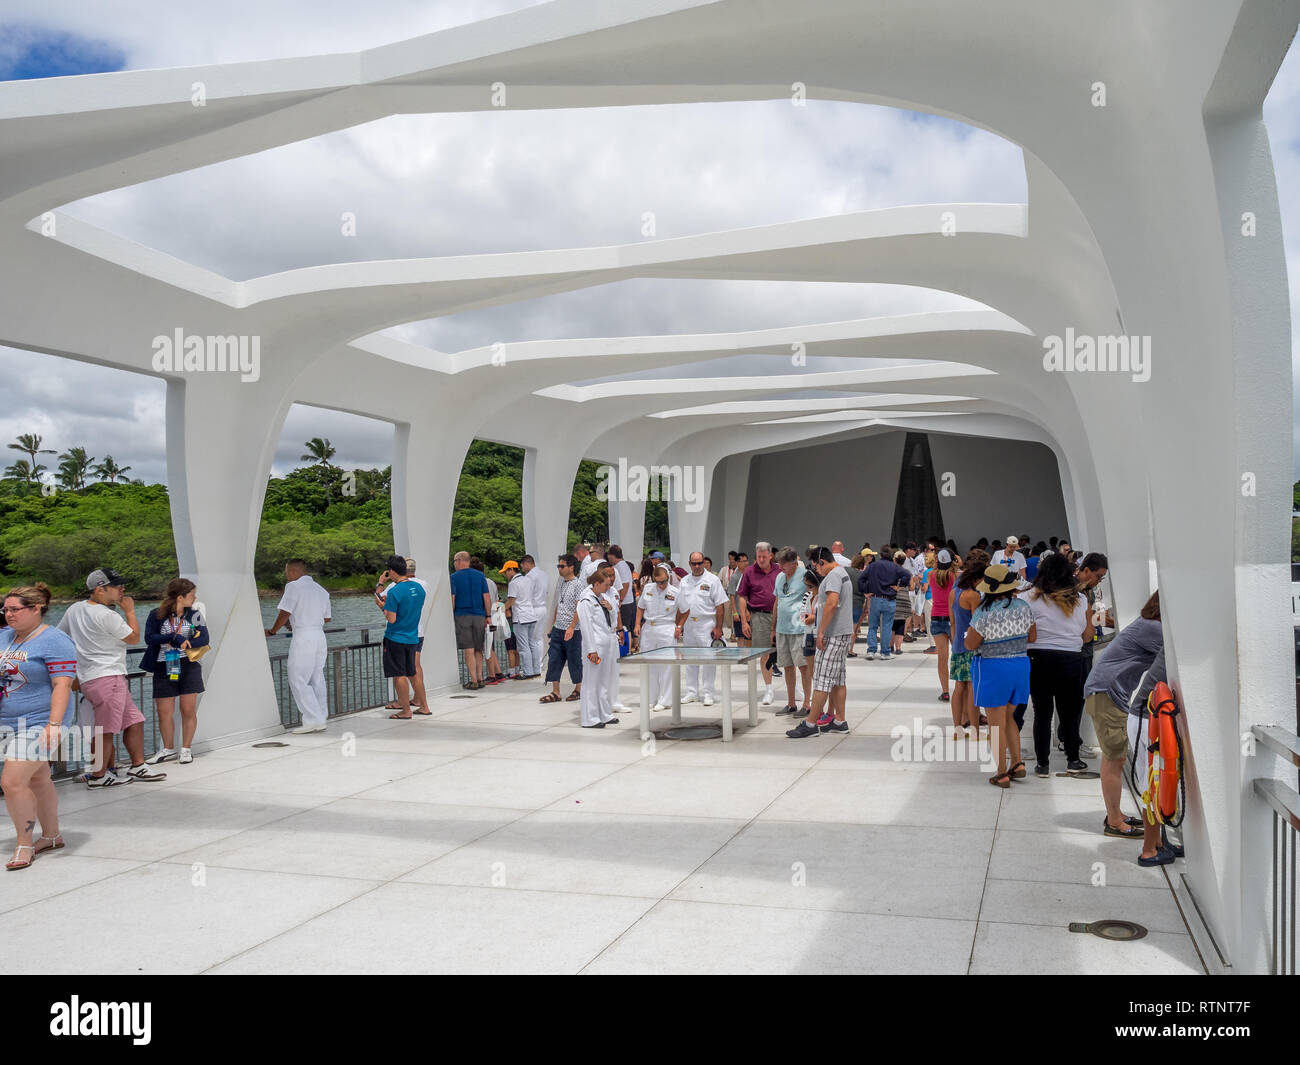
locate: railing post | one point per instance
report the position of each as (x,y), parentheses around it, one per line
(337,656)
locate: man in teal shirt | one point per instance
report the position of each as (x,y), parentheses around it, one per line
(402,604)
(789,593)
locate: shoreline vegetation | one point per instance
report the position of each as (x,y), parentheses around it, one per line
(339,521)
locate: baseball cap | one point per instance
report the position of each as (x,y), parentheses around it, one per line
(945,557)
(102,578)
(509,564)
(1013,541)
(656,554)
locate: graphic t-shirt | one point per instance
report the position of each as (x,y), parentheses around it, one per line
(26,672)
(97,632)
(411,580)
(1005,626)
(406,600)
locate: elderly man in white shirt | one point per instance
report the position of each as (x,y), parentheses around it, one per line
(701,600)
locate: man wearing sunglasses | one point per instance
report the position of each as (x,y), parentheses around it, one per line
(701,601)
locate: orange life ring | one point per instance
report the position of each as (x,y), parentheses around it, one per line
(1161,796)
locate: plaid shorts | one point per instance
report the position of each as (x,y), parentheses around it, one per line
(828,666)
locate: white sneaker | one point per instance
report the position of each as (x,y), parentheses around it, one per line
(164,754)
(307,730)
(186,757)
(144,771)
(708,700)
(767,698)
(618,708)
(657,708)
(109,780)
(689,697)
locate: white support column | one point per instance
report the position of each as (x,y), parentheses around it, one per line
(216,480)
(1261,419)
(688,506)
(627,526)
(427,462)
(549,473)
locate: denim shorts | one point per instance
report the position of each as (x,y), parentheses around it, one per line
(941,627)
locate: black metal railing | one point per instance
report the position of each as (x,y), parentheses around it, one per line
(354,680)
(1284,803)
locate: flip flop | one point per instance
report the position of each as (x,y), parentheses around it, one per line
(399,717)
(549,697)
(421,713)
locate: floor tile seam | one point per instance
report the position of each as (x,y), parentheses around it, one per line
(295,926)
(138,863)
(513,821)
(985,888)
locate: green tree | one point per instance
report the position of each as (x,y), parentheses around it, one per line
(30,445)
(319,450)
(109,471)
(74,465)
(22,470)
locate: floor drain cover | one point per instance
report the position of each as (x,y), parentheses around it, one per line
(271,743)
(462,697)
(1116,930)
(694,732)
(1085,774)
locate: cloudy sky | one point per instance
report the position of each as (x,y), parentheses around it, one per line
(493,182)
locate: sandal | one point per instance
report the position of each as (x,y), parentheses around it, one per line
(549,697)
(944,697)
(1017,771)
(55,843)
(573,696)
(16,862)
(420,713)
(1002,780)
(399,717)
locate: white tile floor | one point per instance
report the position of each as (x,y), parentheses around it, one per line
(496,836)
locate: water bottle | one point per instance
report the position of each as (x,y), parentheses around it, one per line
(173,659)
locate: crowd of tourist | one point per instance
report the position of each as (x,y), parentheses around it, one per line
(1010,625)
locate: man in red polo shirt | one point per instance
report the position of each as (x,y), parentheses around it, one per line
(755,599)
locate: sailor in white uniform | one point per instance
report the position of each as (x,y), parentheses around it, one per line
(599,648)
(656,621)
(612,595)
(701,601)
(305,606)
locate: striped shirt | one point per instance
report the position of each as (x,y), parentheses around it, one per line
(566,600)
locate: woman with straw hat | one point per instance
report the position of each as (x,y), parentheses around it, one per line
(1000,632)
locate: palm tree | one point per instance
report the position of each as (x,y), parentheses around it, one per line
(74,464)
(23,470)
(30,445)
(318,450)
(110,471)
